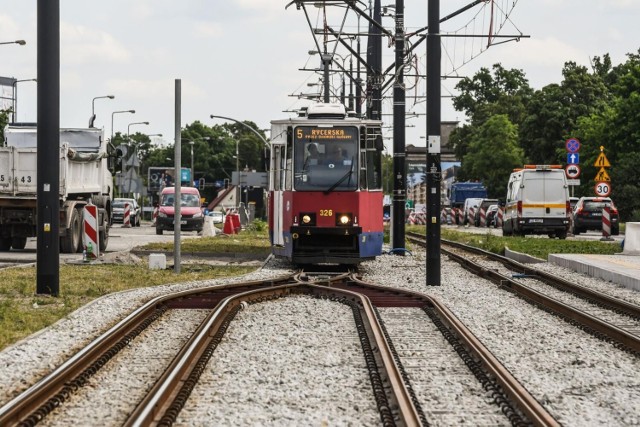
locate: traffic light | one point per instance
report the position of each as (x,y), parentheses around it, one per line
(201,184)
(226,183)
(121,151)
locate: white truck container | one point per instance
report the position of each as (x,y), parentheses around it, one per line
(84,178)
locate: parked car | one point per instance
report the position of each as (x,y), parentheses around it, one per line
(192,216)
(218,217)
(484,204)
(587,215)
(117,211)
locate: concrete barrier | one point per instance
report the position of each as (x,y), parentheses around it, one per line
(157,262)
(632,239)
(208,229)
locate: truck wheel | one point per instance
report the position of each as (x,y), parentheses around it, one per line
(159,231)
(103,237)
(18,242)
(5,244)
(73,238)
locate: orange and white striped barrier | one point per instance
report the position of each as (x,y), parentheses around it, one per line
(499,216)
(483,217)
(606,223)
(90,231)
(460,216)
(471,216)
(126,217)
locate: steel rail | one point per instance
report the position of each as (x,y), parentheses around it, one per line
(160,399)
(520,396)
(628,340)
(33,401)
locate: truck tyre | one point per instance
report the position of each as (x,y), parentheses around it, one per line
(103,238)
(18,242)
(72,240)
(159,231)
(5,244)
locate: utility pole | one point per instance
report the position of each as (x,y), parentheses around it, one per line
(48,181)
(434,168)
(399,156)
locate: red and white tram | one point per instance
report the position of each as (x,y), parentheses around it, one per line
(325,187)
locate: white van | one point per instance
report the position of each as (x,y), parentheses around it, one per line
(471,202)
(537,202)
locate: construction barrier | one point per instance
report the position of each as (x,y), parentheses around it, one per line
(231,224)
(483,217)
(450,217)
(154,216)
(499,216)
(460,216)
(471,216)
(606,223)
(126,217)
(90,231)
(632,239)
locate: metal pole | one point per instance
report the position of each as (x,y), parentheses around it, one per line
(178,185)
(326,63)
(15,101)
(48,181)
(399,164)
(193,172)
(238,189)
(434,168)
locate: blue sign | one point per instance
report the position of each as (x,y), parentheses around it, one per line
(572,145)
(185,175)
(573,158)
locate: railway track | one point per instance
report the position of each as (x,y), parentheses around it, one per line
(394,397)
(599,314)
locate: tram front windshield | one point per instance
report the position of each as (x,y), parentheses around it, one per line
(326,159)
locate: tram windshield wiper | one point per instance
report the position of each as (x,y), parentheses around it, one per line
(341,180)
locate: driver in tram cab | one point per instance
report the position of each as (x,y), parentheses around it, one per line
(313,156)
(336,156)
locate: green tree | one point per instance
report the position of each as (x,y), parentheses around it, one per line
(493,153)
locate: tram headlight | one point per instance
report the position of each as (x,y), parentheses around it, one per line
(344,219)
(308,219)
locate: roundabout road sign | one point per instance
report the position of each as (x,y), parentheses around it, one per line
(602,189)
(572,171)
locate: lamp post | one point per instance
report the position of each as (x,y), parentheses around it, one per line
(192,143)
(117,112)
(15,96)
(136,123)
(20,42)
(213,116)
(93,108)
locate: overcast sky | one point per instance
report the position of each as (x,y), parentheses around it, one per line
(241,58)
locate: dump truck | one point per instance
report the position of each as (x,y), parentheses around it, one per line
(84,178)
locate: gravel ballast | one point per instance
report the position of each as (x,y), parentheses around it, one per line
(581,380)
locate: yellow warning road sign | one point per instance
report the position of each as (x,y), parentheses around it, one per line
(602,176)
(602,161)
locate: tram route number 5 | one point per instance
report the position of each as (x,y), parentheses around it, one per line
(602,189)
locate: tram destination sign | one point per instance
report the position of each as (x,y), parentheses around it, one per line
(317,133)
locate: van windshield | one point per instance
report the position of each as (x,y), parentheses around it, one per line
(187,200)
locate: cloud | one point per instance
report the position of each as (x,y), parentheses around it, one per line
(9,29)
(83,45)
(208,30)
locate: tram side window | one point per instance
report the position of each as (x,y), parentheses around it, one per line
(374,169)
(276,175)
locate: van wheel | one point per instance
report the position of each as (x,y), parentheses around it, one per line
(159,231)
(562,235)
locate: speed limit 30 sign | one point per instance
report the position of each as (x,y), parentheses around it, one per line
(602,189)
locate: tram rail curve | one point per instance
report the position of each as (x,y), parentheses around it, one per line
(393,395)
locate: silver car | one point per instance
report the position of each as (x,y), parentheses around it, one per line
(117,212)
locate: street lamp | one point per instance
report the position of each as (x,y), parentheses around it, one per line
(191,143)
(136,123)
(93,108)
(117,112)
(15,96)
(213,116)
(20,42)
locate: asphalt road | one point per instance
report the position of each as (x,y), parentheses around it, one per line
(121,239)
